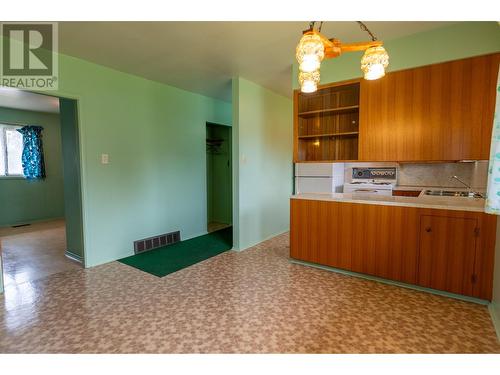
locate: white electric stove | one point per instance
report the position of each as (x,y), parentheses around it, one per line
(378,181)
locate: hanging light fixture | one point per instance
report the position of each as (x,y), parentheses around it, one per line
(310,52)
(309,81)
(313,47)
(374,62)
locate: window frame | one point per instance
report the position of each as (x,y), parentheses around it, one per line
(3,140)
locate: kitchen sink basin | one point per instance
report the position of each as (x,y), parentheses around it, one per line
(448,193)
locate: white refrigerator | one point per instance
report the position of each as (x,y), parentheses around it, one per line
(319,178)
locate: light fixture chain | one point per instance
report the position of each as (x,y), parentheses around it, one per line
(365,28)
(312,23)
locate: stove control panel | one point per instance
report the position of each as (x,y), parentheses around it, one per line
(374,174)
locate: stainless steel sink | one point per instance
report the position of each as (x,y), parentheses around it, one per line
(448,193)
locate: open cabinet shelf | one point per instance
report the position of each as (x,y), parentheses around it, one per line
(327,124)
(352,108)
(346,134)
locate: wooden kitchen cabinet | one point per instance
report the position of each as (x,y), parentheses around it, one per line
(457,252)
(326,123)
(445,250)
(385,242)
(373,239)
(432,113)
(322,233)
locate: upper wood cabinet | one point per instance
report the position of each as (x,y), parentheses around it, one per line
(326,123)
(432,113)
(440,112)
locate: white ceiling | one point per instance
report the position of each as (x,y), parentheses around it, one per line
(19,99)
(203,56)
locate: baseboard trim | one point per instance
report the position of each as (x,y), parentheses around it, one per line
(264,240)
(73,256)
(391,282)
(29,222)
(494,319)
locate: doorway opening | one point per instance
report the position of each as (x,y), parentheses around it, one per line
(41,225)
(219,177)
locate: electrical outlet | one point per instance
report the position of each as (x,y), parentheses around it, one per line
(104,159)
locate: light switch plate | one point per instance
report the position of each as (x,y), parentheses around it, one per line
(104,159)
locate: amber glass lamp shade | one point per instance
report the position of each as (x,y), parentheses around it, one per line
(374,62)
(309,81)
(309,53)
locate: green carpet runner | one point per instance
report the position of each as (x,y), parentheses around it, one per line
(165,260)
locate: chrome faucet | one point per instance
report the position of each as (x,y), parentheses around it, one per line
(474,194)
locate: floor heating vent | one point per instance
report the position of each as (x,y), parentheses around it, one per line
(151,243)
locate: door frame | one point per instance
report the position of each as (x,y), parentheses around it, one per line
(230,167)
(79,100)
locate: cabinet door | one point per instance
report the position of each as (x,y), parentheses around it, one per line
(320,232)
(447,251)
(436,112)
(385,241)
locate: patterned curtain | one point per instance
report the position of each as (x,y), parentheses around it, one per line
(493,190)
(33,163)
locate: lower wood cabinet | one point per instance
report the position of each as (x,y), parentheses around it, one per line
(456,252)
(321,233)
(440,249)
(447,252)
(384,242)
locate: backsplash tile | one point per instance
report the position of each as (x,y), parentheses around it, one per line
(439,174)
(433,174)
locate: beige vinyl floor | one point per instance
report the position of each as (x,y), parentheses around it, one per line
(30,253)
(254,301)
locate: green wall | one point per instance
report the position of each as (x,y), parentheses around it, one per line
(219,184)
(447,43)
(155,181)
(262,169)
(71,178)
(23,201)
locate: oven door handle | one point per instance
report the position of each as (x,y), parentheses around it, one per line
(366,191)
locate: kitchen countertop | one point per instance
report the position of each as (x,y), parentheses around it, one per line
(422,201)
(422,188)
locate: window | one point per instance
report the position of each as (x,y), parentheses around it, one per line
(11,150)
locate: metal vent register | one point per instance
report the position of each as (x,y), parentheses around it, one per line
(151,243)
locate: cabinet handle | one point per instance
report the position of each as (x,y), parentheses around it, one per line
(428,229)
